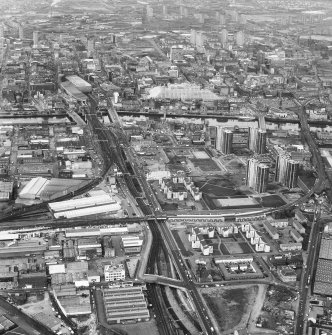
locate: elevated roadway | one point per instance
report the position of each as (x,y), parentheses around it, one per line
(315,234)
(166,281)
(194,295)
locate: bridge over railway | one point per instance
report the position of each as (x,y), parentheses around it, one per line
(166,281)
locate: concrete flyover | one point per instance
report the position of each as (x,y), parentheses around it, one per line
(161,280)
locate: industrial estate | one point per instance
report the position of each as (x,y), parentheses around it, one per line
(165,167)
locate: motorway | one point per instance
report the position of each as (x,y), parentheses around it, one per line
(307,275)
(186,278)
(315,234)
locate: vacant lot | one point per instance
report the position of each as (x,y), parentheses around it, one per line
(205,164)
(217,188)
(180,244)
(234,248)
(231,307)
(272,201)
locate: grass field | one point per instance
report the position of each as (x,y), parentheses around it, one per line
(230,306)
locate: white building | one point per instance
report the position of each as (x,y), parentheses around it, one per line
(198,242)
(33,188)
(101,204)
(114,272)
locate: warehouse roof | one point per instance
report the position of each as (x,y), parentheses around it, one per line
(181,92)
(88,211)
(81,203)
(78,81)
(326,249)
(56,268)
(33,187)
(73,91)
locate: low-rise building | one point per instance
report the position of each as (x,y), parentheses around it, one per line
(297,225)
(290,246)
(272,231)
(198,241)
(287,274)
(296,235)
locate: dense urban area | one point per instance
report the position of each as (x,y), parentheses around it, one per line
(165,167)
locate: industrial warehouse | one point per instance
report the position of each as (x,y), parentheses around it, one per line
(103,204)
(125,304)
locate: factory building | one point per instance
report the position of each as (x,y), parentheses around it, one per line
(33,188)
(125,304)
(131,244)
(79,83)
(6,190)
(102,204)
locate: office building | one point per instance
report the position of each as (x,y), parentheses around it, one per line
(183,11)
(20,32)
(114,272)
(193,36)
(149,12)
(243,19)
(224,36)
(2,34)
(222,20)
(257,140)
(257,175)
(35,36)
(240,38)
(164,10)
(260,57)
(91,47)
(224,141)
(199,42)
(292,172)
(235,16)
